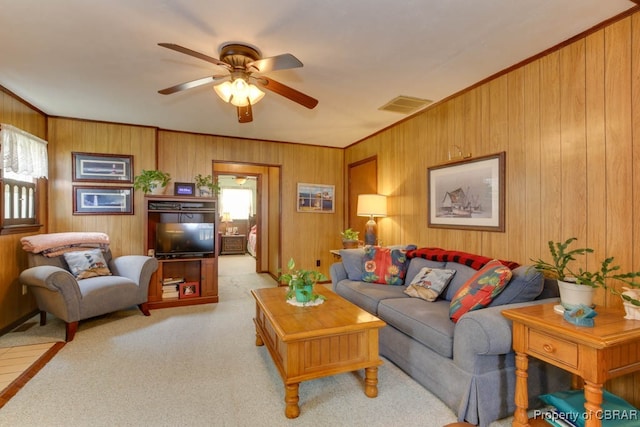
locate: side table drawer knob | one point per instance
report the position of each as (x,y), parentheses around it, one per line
(548,348)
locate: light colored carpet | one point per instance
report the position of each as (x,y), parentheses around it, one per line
(199,366)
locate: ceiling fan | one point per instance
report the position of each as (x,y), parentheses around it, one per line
(237,87)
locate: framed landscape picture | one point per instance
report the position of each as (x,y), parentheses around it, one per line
(468,194)
(102,200)
(316,198)
(95,167)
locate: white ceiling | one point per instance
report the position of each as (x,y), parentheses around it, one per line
(100,60)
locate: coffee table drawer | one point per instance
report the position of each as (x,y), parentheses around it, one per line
(556,349)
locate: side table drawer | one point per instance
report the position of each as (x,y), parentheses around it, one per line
(553,348)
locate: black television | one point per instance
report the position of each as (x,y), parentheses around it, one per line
(184,238)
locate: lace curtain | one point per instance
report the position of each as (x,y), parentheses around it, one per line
(23,153)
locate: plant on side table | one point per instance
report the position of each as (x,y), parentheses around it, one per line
(301,282)
(349,238)
(152,181)
(584,282)
(571,293)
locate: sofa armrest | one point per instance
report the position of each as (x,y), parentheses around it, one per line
(53,278)
(337,273)
(138,268)
(485,332)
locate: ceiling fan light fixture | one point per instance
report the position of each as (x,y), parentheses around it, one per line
(239,92)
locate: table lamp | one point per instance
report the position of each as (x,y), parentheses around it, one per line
(371,205)
(226,219)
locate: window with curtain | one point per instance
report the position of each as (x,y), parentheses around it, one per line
(237,201)
(24,164)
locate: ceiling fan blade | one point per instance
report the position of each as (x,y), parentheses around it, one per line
(190,85)
(279,62)
(245,115)
(195,54)
(287,92)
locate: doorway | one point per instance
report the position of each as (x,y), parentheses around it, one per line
(264,219)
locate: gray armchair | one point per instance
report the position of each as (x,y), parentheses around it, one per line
(58,292)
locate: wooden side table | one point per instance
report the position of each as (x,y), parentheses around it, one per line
(233,244)
(609,349)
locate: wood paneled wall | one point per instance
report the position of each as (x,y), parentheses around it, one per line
(569,123)
(126,232)
(14,305)
(305,236)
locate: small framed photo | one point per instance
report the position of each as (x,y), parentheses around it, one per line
(102,200)
(316,198)
(189,290)
(184,189)
(96,167)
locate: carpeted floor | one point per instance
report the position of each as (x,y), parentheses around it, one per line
(199,366)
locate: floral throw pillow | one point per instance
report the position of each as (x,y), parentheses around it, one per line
(480,289)
(85,264)
(429,283)
(384,265)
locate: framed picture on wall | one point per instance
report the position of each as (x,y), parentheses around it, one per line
(96,167)
(102,200)
(468,194)
(316,198)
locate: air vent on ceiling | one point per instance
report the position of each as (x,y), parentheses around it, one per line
(405,104)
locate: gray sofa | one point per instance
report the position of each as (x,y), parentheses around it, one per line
(470,364)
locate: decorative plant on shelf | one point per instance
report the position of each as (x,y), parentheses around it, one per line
(205,184)
(151,181)
(301,282)
(349,238)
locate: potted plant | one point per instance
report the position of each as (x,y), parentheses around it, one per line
(607,272)
(571,292)
(578,287)
(152,181)
(206,186)
(301,282)
(349,238)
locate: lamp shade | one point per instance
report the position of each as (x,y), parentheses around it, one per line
(239,92)
(226,217)
(372,205)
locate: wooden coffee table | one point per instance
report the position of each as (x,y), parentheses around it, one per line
(306,343)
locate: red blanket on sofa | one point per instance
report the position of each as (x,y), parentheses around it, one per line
(470,260)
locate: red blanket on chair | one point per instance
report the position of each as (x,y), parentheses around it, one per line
(470,260)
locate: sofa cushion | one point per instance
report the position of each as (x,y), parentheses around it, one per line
(525,285)
(87,263)
(368,295)
(429,283)
(480,290)
(417,264)
(384,265)
(426,322)
(352,259)
(462,276)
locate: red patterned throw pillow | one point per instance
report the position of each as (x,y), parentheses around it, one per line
(480,289)
(384,265)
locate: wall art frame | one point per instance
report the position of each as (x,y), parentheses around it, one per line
(468,194)
(98,167)
(96,200)
(316,198)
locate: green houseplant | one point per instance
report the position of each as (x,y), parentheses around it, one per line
(585,281)
(151,181)
(206,186)
(349,238)
(572,293)
(301,282)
